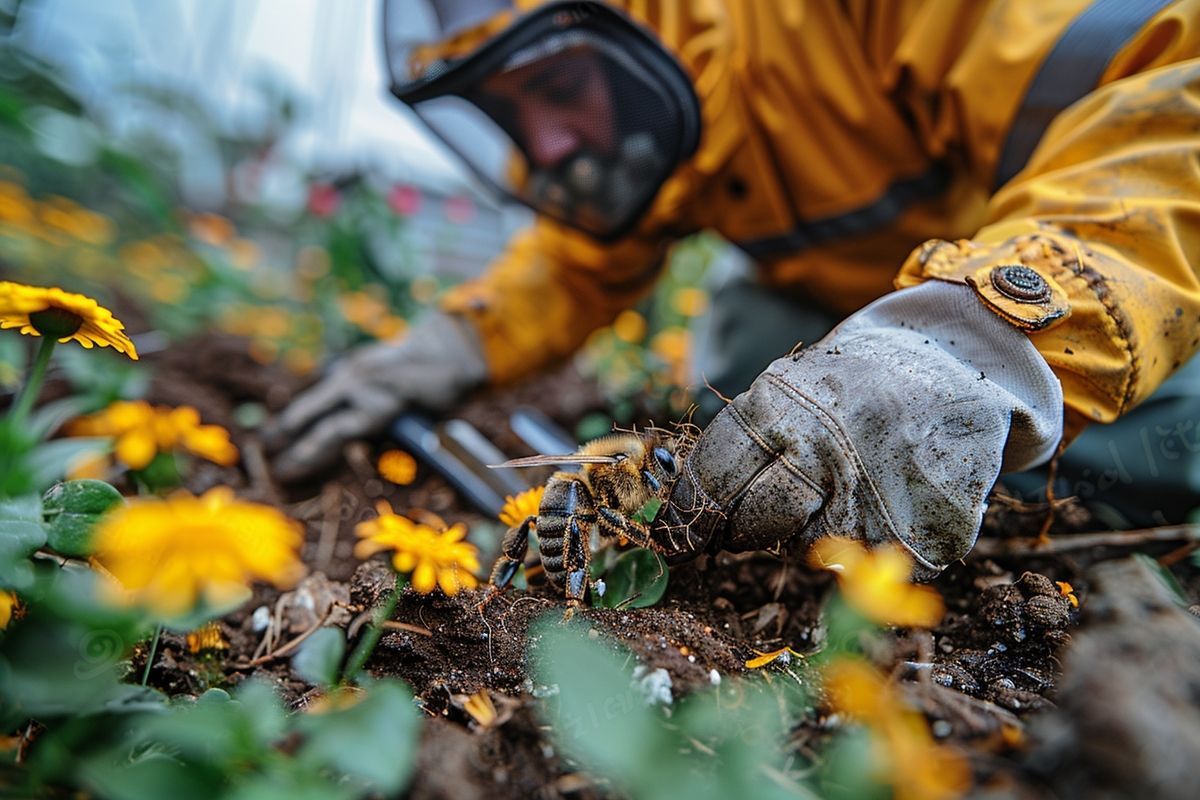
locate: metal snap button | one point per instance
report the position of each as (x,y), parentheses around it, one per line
(1020,283)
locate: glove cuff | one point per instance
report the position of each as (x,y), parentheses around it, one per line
(952,319)
(445,348)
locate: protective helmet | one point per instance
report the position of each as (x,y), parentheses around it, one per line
(570,108)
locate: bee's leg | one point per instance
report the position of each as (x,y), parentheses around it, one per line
(513,549)
(577,558)
(614,524)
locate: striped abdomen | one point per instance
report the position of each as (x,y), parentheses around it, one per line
(564,525)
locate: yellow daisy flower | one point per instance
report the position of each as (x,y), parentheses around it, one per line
(169,554)
(65,316)
(517,509)
(434,557)
(877,582)
(142,431)
(398,467)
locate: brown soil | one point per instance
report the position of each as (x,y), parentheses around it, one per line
(988,678)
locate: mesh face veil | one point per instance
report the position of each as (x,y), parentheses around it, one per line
(571,109)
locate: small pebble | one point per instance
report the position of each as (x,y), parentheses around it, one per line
(714,677)
(260,619)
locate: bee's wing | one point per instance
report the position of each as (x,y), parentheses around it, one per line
(546,461)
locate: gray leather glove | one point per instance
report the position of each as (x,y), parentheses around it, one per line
(892,428)
(432,367)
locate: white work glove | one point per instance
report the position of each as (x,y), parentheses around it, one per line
(437,362)
(893,428)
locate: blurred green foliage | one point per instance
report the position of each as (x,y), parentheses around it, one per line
(643,361)
(715,744)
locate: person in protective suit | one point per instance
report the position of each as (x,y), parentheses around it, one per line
(1003,196)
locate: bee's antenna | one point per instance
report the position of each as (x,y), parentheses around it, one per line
(716,391)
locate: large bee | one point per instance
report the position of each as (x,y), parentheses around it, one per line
(619,474)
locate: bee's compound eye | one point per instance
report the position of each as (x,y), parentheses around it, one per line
(665,459)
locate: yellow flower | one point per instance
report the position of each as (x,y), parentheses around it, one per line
(35,311)
(206,637)
(168,554)
(1068,591)
(388,327)
(690,301)
(244,254)
(783,655)
(142,431)
(629,326)
(434,557)
(211,229)
(398,467)
(877,582)
(904,753)
(672,345)
(8,601)
(481,708)
(517,509)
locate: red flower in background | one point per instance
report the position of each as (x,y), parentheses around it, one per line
(404,200)
(323,200)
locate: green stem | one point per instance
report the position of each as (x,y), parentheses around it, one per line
(150,655)
(33,384)
(371,638)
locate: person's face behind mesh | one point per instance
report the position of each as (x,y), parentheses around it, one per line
(560,106)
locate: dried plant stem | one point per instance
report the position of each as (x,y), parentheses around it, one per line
(1082,541)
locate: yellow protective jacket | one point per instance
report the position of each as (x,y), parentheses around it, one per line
(845,140)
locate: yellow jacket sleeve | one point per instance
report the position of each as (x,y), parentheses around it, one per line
(549,290)
(1107,213)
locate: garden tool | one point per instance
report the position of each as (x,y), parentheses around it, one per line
(461,454)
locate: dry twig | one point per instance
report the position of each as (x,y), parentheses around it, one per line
(1066,543)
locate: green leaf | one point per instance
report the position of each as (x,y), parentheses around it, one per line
(293,785)
(16,444)
(649,511)
(50,461)
(320,656)
(71,510)
(53,668)
(21,533)
(218,730)
(638,579)
(151,775)
(599,718)
(48,417)
(846,773)
(597,715)
(161,473)
(374,742)
(1165,577)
